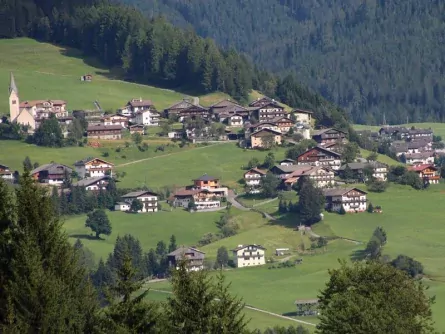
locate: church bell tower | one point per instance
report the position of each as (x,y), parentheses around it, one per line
(14,102)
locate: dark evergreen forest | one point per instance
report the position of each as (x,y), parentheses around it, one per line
(154,51)
(372,57)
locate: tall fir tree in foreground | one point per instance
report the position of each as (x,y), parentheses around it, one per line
(44,289)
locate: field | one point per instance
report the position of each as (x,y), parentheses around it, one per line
(438,128)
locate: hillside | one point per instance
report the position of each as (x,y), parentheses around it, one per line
(371,57)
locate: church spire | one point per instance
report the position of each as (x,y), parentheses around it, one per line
(12,85)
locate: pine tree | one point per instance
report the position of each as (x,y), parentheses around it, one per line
(98,222)
(310,204)
(128,314)
(46,289)
(172,246)
(27,164)
(370,208)
(55,200)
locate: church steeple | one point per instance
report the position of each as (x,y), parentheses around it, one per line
(13,86)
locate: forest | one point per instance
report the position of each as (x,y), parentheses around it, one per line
(380,60)
(153,51)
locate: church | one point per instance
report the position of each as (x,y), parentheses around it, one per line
(32,113)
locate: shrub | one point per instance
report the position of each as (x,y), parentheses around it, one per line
(342,210)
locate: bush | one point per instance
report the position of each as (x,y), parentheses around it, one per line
(377,186)
(342,210)
(370,208)
(105,154)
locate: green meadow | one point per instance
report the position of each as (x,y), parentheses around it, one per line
(438,128)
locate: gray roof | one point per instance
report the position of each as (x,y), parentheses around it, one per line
(361,165)
(88,159)
(339,191)
(89,181)
(321,131)
(182,251)
(52,168)
(206,177)
(289,168)
(139,193)
(245,246)
(420,155)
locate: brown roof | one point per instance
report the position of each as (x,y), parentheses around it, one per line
(140,103)
(139,193)
(420,168)
(256,170)
(224,103)
(83,162)
(182,251)
(302,111)
(263,133)
(245,246)
(340,191)
(104,127)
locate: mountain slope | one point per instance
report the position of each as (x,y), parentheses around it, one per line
(375,58)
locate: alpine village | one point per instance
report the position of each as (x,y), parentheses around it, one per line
(155,181)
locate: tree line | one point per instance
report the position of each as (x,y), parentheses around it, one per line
(154,51)
(377,59)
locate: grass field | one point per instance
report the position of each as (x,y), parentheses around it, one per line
(221,160)
(438,128)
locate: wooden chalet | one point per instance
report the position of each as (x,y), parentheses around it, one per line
(193,112)
(194,258)
(94,184)
(137,128)
(302,116)
(177,107)
(428,173)
(326,136)
(5,173)
(352,199)
(256,138)
(261,101)
(93,167)
(108,132)
(319,156)
(52,173)
(284,124)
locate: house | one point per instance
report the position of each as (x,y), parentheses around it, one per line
(260,138)
(210,183)
(249,255)
(250,128)
(5,173)
(177,107)
(146,117)
(268,111)
(178,134)
(93,183)
(253,177)
(32,113)
(135,105)
(287,162)
(86,77)
(203,199)
(303,116)
(319,156)
(414,146)
(149,201)
(235,120)
(352,199)
(108,132)
(193,112)
(284,124)
(426,134)
(115,120)
(52,173)
(284,171)
(194,258)
(261,101)
(379,170)
(93,167)
(428,173)
(320,176)
(326,136)
(137,128)
(421,158)
(394,132)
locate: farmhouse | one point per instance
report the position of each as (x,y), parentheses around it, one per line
(194,258)
(249,255)
(379,170)
(287,162)
(5,173)
(149,201)
(320,176)
(235,120)
(32,113)
(319,156)
(352,199)
(93,183)
(201,199)
(394,132)
(326,136)
(428,173)
(283,124)
(426,134)
(222,110)
(269,111)
(303,116)
(93,167)
(260,138)
(52,173)
(107,132)
(250,128)
(137,128)
(192,111)
(284,171)
(421,158)
(115,120)
(253,177)
(136,105)
(177,107)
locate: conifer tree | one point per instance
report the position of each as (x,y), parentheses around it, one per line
(55,200)
(128,314)
(172,246)
(45,289)
(27,164)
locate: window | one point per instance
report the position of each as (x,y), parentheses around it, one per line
(14,102)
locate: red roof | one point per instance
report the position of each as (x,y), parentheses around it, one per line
(419,168)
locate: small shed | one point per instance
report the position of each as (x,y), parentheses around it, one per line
(86,77)
(307,307)
(281,251)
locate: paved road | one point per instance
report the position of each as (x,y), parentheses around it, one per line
(231,197)
(258,310)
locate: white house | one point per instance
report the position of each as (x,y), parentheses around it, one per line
(136,105)
(149,201)
(249,255)
(253,176)
(146,117)
(352,199)
(303,116)
(420,158)
(115,120)
(93,167)
(5,173)
(235,120)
